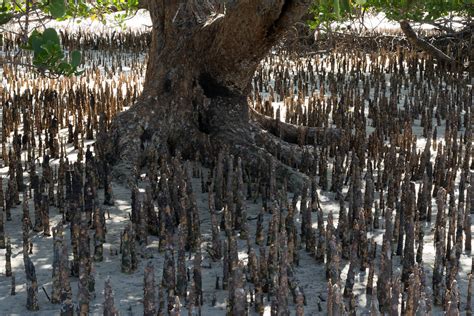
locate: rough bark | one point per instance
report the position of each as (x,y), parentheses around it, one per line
(2,231)
(56,275)
(201,62)
(149,304)
(109,305)
(8,259)
(31,284)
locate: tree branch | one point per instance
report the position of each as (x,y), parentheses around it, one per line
(424,45)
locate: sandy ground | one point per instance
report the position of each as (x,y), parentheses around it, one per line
(128,289)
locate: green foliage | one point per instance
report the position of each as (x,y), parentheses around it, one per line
(6,12)
(18,8)
(98,11)
(417,10)
(327,11)
(5,17)
(57,8)
(75,58)
(49,56)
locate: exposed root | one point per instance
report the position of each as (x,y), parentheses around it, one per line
(136,138)
(141,134)
(259,148)
(301,135)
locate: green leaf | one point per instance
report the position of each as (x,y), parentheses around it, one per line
(36,42)
(360,2)
(345,6)
(51,48)
(337,8)
(57,8)
(64,67)
(48,55)
(51,35)
(75,58)
(5,17)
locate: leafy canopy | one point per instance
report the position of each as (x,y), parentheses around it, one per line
(44,43)
(327,11)
(48,55)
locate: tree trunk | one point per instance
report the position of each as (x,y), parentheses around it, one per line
(201,62)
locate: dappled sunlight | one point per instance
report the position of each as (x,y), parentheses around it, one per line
(262,168)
